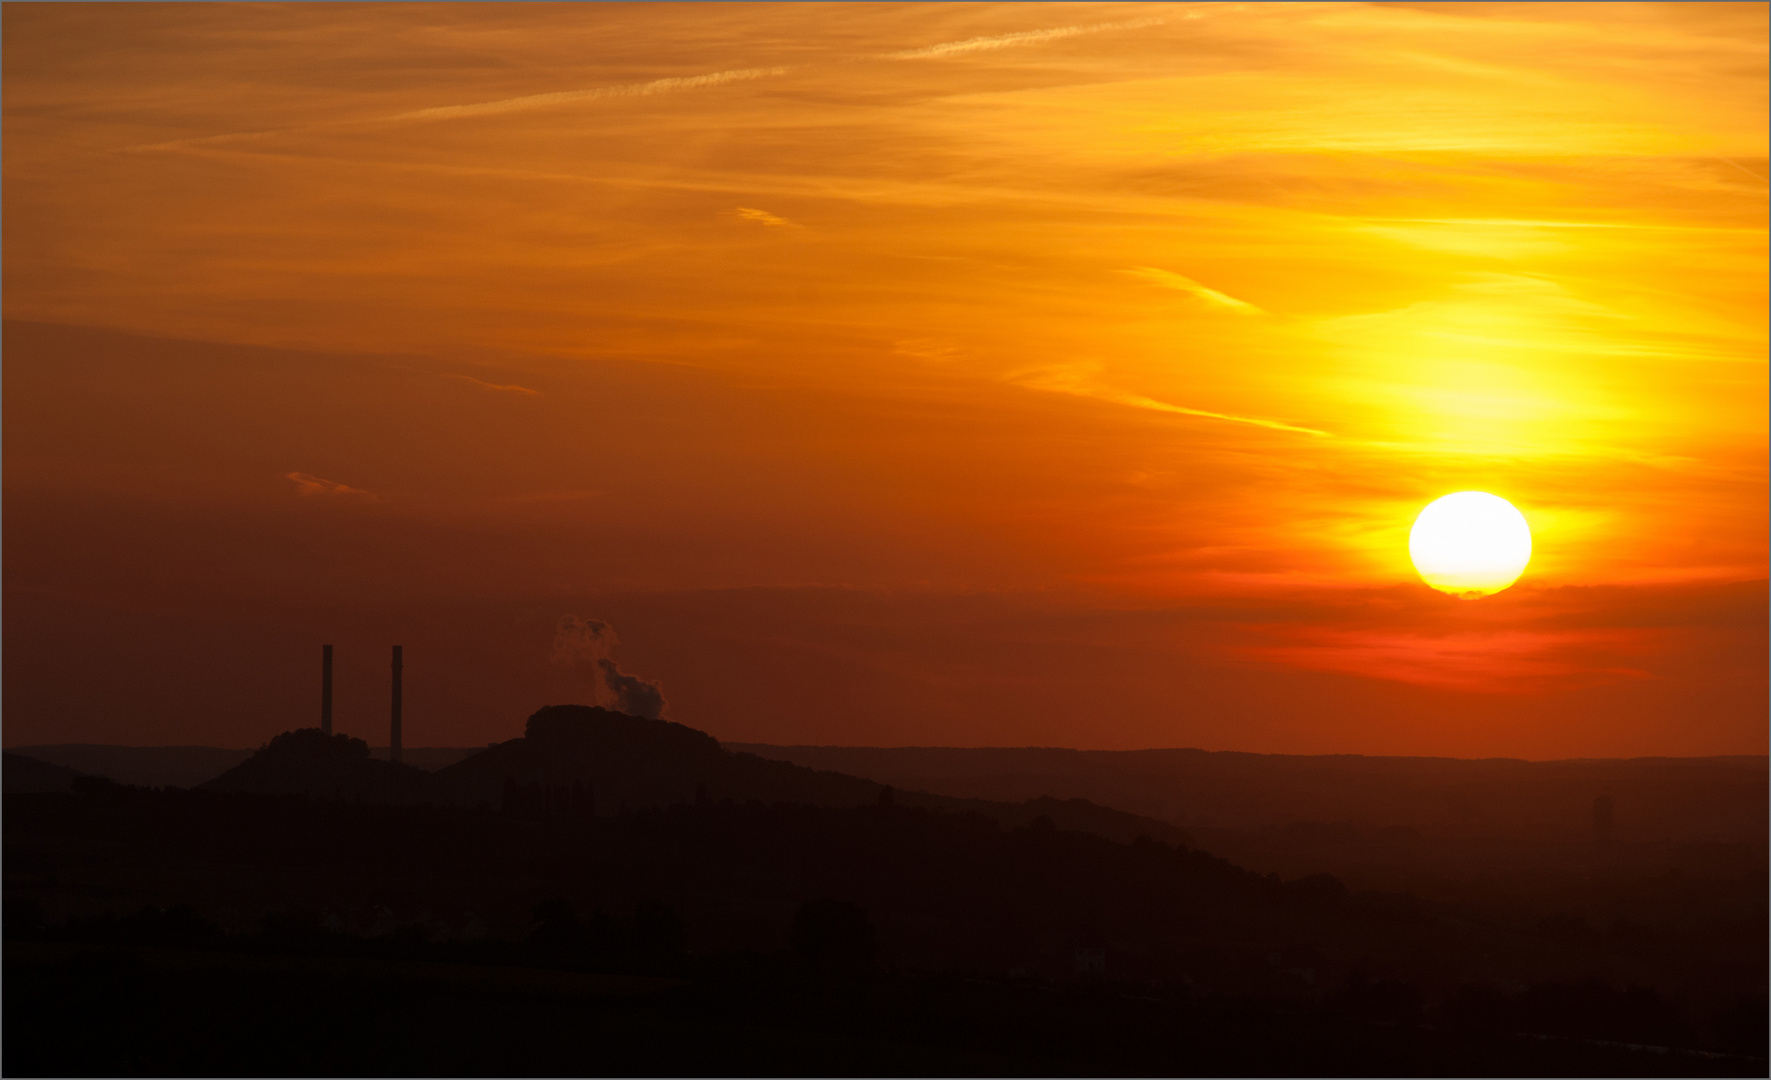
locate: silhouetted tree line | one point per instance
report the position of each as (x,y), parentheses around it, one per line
(535,799)
(312,742)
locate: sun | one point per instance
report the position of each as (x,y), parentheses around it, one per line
(1470,544)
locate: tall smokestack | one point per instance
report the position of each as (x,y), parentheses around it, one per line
(393,745)
(326,689)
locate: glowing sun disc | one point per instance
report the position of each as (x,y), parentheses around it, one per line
(1470,544)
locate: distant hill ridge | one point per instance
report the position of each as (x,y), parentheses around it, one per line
(142,766)
(29,775)
(593,761)
(1661,799)
(601,761)
(1667,799)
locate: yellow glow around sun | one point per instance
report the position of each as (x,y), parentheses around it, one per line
(1470,544)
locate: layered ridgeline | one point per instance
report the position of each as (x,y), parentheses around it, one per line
(585,761)
(24,774)
(1659,800)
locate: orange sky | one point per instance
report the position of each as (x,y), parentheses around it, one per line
(947,374)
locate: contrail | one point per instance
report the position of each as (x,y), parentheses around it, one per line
(1077,379)
(563,97)
(1742,168)
(1141,402)
(1025,37)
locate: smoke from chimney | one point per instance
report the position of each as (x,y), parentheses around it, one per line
(583,645)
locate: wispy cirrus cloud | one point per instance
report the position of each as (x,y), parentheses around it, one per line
(510,388)
(694,82)
(928,350)
(568,495)
(759,217)
(1167,279)
(307,485)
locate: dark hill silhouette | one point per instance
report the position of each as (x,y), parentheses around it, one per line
(619,760)
(27,774)
(309,762)
(141,766)
(590,761)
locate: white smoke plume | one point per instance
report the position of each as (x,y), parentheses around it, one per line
(583,645)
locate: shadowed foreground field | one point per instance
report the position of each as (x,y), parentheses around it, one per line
(205,933)
(120,1011)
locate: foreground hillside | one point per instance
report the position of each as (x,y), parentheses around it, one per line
(924,941)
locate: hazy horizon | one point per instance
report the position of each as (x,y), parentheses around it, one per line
(381,749)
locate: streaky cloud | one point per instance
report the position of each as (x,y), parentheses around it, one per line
(491,108)
(308,485)
(760,217)
(1078,380)
(1170,280)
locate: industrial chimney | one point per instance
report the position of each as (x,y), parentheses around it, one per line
(393,745)
(325,689)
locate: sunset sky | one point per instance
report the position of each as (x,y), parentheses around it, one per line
(1061,375)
